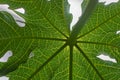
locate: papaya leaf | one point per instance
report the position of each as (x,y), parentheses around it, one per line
(44,48)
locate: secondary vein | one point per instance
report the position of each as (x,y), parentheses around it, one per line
(89,61)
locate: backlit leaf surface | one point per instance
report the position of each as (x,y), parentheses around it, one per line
(58,53)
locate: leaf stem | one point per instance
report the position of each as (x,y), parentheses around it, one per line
(71,63)
(46,62)
(90,62)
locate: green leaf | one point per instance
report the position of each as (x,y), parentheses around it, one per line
(46,49)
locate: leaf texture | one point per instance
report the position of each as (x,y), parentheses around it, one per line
(56,55)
